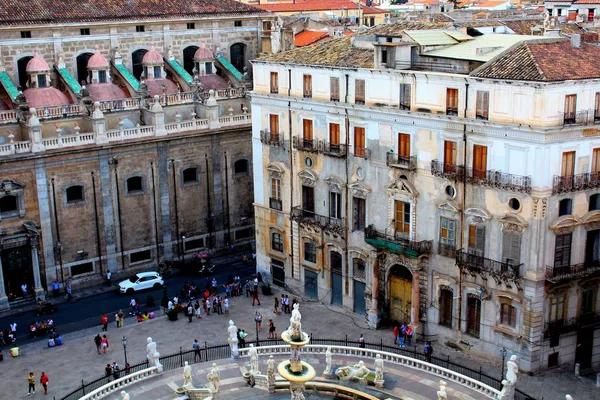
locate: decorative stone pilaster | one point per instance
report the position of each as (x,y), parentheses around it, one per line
(35,265)
(99,124)
(212,110)
(3,298)
(34,128)
(156,116)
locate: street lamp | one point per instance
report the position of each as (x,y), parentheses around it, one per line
(503,353)
(124,343)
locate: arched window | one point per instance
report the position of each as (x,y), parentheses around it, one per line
(188,59)
(21,67)
(237,54)
(446,296)
(75,194)
(564,207)
(240,167)
(136,62)
(82,62)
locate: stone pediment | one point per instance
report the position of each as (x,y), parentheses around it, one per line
(359,189)
(476,215)
(449,206)
(402,186)
(308,177)
(591,220)
(512,222)
(565,224)
(275,170)
(8,185)
(335,184)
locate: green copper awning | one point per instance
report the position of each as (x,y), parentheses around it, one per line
(181,71)
(229,67)
(70,80)
(393,247)
(128,76)
(10,88)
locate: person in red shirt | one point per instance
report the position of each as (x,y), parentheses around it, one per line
(396,334)
(44,381)
(104,321)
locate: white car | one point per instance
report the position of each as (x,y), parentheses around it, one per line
(141,281)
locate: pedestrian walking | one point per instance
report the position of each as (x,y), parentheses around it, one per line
(361,342)
(276,307)
(219,305)
(258,319)
(55,288)
(287,304)
(409,333)
(247,287)
(214,285)
(115,370)
(255,297)
(132,305)
(98,341)
(104,343)
(198,310)
(121,316)
(69,290)
(104,322)
(108,370)
(271,329)
(44,381)
(127,368)
(31,382)
(196,347)
(402,334)
(428,350)
(108,277)
(190,312)
(226,305)
(396,329)
(242,338)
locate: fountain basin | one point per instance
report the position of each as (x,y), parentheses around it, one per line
(308,373)
(298,342)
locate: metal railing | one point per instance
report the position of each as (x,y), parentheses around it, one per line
(446,250)
(334,225)
(563,326)
(275,204)
(392,236)
(396,160)
(334,149)
(559,274)
(318,346)
(271,138)
(507,273)
(362,152)
(301,143)
(499,180)
(574,118)
(575,183)
(452,172)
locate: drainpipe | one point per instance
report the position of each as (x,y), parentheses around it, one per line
(120,220)
(291,162)
(98,247)
(155,212)
(58,244)
(462,208)
(227,201)
(176,212)
(347,127)
(209,218)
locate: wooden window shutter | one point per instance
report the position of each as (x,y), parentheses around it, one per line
(570,103)
(449,152)
(334,87)
(568,163)
(597,106)
(334,133)
(511,247)
(274,123)
(483,104)
(596,161)
(308,129)
(480,157)
(403,145)
(405,96)
(359,88)
(274,82)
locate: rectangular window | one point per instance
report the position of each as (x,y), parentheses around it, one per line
(193,244)
(511,248)
(25,34)
(597,108)
(335,205)
(276,241)
(596,161)
(451,101)
(562,250)
(449,156)
(476,240)
(483,105)
(568,163)
(84,268)
(101,76)
(157,72)
(307,85)
(139,256)
(42,81)
(405,96)
(359,91)
(334,88)
(358,214)
(274,124)
(448,231)
(84,31)
(334,134)
(383,56)
(402,216)
(310,251)
(208,67)
(274,83)
(557,308)
(588,301)
(191,25)
(307,133)
(570,107)
(508,315)
(404,145)
(359,142)
(479,161)
(308,199)
(237,23)
(140,28)
(446,297)
(276,188)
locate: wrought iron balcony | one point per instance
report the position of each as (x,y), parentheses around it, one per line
(362,152)
(334,149)
(446,250)
(398,161)
(393,241)
(501,272)
(571,324)
(449,171)
(499,180)
(336,226)
(575,183)
(271,139)
(275,204)
(574,118)
(571,272)
(309,145)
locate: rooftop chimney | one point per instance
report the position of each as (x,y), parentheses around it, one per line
(576,41)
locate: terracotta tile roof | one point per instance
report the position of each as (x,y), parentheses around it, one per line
(492,3)
(318,5)
(587,2)
(524,27)
(305,38)
(543,61)
(337,52)
(18,12)
(397,28)
(373,10)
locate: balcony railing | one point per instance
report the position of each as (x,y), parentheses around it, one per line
(501,272)
(452,172)
(398,161)
(393,241)
(499,180)
(446,250)
(574,118)
(336,226)
(275,204)
(571,272)
(305,144)
(362,152)
(334,150)
(271,139)
(575,183)
(571,324)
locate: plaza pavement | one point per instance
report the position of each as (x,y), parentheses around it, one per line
(77,359)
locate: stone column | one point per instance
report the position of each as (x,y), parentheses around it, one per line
(35,264)
(212,111)
(34,127)
(414,307)
(3,299)
(373,313)
(99,124)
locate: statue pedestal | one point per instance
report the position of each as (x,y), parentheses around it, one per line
(379,383)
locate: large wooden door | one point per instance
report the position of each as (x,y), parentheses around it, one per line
(400,299)
(17,269)
(473,316)
(585,347)
(311,287)
(335,264)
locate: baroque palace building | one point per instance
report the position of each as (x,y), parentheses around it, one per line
(124,135)
(438,179)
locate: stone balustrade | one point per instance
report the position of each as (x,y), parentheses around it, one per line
(119,384)
(8,116)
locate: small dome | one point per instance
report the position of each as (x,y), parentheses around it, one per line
(203,53)
(97,61)
(152,57)
(105,92)
(45,97)
(37,63)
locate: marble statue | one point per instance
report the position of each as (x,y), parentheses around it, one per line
(253,353)
(213,377)
(271,369)
(511,370)
(233,339)
(441,394)
(297,391)
(378,371)
(187,375)
(568,397)
(356,372)
(152,355)
(295,329)
(124,395)
(327,372)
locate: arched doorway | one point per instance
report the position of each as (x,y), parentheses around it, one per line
(400,293)
(82,62)
(237,54)
(188,59)
(335,264)
(136,62)
(21,68)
